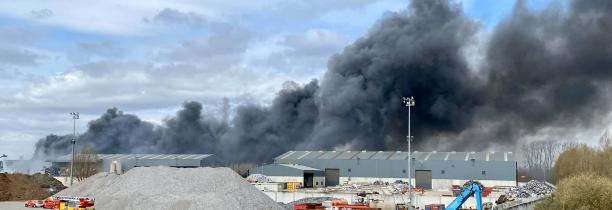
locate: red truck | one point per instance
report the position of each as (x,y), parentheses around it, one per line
(50,203)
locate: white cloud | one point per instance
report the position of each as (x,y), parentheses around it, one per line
(362,17)
(302,56)
(148,57)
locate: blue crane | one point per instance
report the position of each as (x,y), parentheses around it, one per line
(469,188)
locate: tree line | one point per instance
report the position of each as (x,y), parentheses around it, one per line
(583,176)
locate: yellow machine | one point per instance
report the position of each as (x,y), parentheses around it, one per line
(67,205)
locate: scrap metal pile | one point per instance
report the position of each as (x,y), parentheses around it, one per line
(259,178)
(531,189)
(377,187)
(289,206)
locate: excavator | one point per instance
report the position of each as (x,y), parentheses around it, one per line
(469,188)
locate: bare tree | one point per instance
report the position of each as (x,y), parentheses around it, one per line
(86,163)
(540,156)
(605,141)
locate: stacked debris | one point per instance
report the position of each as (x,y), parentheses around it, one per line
(161,188)
(47,182)
(259,178)
(289,206)
(532,188)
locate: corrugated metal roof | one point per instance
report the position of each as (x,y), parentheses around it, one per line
(397,155)
(347,155)
(382,155)
(328,155)
(140,156)
(296,154)
(364,155)
(437,156)
(300,167)
(314,154)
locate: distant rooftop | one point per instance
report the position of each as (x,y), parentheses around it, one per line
(67,158)
(396,155)
(300,167)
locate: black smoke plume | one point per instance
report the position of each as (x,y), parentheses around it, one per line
(539,70)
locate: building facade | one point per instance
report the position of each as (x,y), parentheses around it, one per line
(429,170)
(128,161)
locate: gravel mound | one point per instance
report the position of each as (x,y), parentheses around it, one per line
(165,188)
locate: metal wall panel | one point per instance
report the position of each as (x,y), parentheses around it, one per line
(454,169)
(332,177)
(422,179)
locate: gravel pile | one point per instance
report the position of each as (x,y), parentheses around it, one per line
(289,206)
(532,188)
(259,178)
(165,188)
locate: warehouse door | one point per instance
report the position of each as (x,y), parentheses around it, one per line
(423,179)
(308,180)
(332,177)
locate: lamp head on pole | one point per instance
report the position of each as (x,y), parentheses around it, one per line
(3,156)
(408,101)
(75,115)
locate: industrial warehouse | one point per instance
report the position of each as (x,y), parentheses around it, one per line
(126,162)
(382,178)
(430,170)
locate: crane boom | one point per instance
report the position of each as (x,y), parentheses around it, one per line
(469,188)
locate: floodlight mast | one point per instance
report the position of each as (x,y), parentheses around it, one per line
(409,102)
(2,164)
(75,116)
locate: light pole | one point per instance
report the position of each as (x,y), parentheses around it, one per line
(75,116)
(409,102)
(1,163)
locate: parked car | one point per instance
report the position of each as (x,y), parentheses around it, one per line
(34,203)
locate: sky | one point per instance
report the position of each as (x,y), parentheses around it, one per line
(148,57)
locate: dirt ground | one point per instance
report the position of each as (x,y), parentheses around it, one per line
(16,187)
(14,205)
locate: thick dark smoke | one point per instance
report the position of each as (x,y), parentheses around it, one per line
(540,70)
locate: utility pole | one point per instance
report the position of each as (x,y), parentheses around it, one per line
(2,163)
(75,116)
(409,102)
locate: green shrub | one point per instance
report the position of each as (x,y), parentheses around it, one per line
(583,191)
